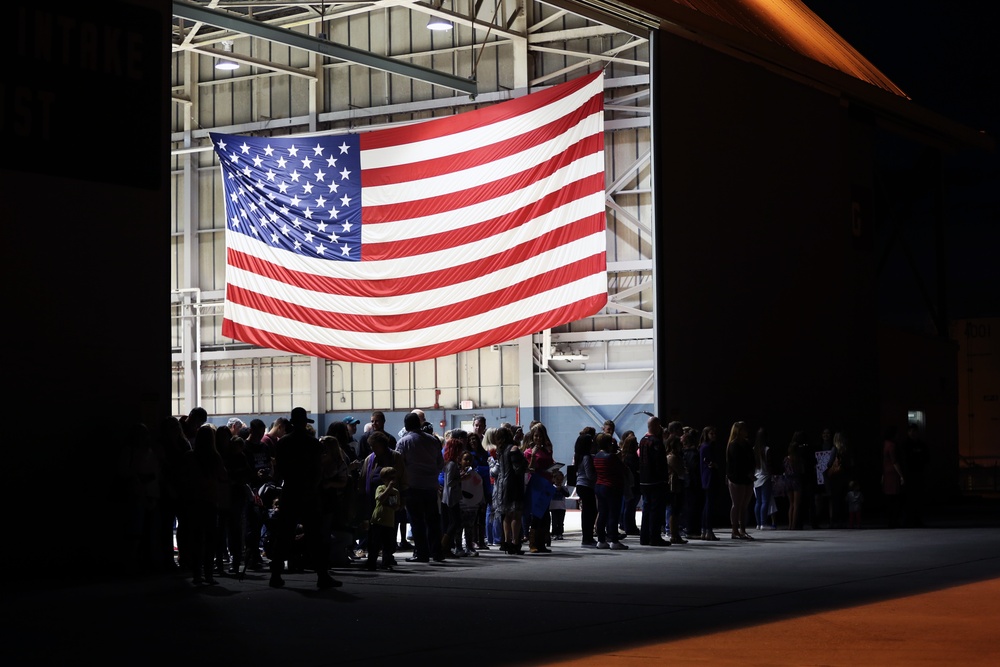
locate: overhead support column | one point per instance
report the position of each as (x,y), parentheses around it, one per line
(520,47)
(317,391)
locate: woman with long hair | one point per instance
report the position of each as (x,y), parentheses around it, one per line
(451,495)
(676,480)
(632,493)
(838,473)
(540,460)
(508,493)
(583,453)
(481,462)
(739,476)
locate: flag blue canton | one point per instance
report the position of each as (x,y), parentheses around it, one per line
(299,194)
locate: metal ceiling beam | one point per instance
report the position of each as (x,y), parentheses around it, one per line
(198,13)
(256,62)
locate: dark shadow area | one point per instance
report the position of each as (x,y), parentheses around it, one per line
(549,606)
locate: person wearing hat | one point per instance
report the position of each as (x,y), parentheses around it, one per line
(298,462)
(352,444)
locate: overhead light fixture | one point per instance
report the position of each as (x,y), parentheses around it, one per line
(226,63)
(568,355)
(436,22)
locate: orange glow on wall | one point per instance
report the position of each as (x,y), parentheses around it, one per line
(794,26)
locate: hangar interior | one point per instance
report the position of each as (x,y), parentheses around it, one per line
(339,67)
(736,133)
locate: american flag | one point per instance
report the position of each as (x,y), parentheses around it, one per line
(419,241)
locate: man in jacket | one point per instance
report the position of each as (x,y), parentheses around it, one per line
(424,461)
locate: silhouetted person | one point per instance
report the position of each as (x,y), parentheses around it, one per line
(204,474)
(241,478)
(277,431)
(810,485)
(712,479)
(172,446)
(192,421)
(654,476)
(298,462)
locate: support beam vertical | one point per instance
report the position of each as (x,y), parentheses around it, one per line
(526,375)
(655,225)
(189,210)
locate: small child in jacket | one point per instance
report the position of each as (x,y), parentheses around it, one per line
(557,506)
(382,526)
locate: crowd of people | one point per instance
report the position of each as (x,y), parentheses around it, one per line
(282,497)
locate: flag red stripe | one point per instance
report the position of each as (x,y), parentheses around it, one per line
(434,278)
(487,228)
(508,332)
(412,171)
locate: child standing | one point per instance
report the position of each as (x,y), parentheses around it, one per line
(854,502)
(557,506)
(382,526)
(470,504)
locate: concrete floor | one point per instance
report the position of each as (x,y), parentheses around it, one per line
(767,602)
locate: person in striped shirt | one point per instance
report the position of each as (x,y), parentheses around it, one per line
(608,488)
